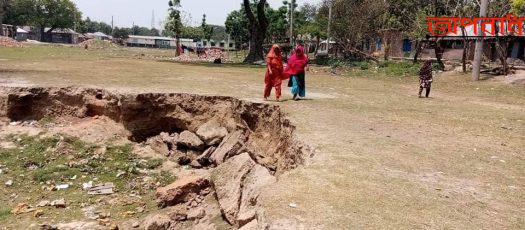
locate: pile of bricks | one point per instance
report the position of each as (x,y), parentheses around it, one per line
(210,55)
(9,42)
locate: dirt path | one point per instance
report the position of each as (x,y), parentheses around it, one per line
(385,158)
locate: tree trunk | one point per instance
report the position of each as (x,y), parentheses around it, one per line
(466,47)
(318,41)
(419,48)
(256,52)
(177,52)
(258,29)
(387,51)
(502,53)
(387,46)
(479,43)
(465,50)
(439,50)
(42,34)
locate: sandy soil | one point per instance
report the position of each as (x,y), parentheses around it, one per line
(384,158)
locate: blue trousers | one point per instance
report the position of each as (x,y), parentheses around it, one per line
(298,84)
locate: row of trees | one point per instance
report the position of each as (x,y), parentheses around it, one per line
(55,14)
(352,21)
(43,14)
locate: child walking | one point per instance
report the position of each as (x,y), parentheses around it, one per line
(425,78)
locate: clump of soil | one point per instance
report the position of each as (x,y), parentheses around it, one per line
(222,150)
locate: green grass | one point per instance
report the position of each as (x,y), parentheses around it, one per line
(152,163)
(39,161)
(5,213)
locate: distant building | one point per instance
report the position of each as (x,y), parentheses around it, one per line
(171,43)
(99,36)
(157,42)
(21,34)
(216,44)
(67,36)
(7,30)
(453,43)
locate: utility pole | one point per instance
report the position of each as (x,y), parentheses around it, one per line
(478,54)
(330,6)
(153,19)
(292,9)
(112,25)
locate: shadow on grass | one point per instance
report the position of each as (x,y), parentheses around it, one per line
(212,65)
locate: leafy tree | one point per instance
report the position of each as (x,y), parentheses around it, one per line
(355,21)
(121,33)
(192,32)
(55,14)
(21,12)
(237,26)
(4,4)
(278,27)
(154,32)
(143,31)
(44,13)
(518,7)
(316,22)
(206,29)
(174,22)
(104,28)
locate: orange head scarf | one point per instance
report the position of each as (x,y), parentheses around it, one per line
(275,52)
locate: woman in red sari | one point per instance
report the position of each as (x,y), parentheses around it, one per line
(274,72)
(297,66)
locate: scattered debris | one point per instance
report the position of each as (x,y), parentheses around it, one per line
(22,208)
(60,203)
(101,189)
(62,186)
(44,203)
(292,205)
(9,183)
(87,185)
(38,213)
(47,227)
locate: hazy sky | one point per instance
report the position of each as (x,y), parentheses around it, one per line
(127,12)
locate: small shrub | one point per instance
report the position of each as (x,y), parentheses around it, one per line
(364,66)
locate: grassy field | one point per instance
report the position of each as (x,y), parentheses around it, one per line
(384,157)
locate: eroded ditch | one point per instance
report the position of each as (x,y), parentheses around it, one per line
(229,148)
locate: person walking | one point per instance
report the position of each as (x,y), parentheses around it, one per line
(425,78)
(274,72)
(296,68)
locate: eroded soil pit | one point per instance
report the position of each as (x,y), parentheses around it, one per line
(221,151)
